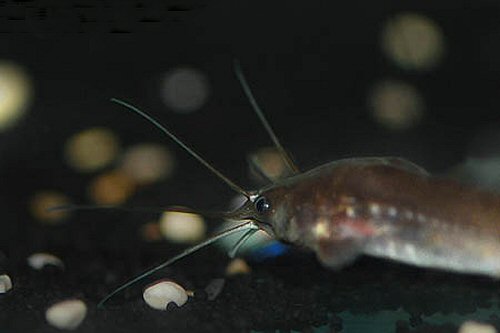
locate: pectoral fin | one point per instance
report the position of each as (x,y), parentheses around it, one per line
(336,254)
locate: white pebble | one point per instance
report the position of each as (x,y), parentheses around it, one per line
(66,315)
(475,327)
(5,283)
(40,260)
(182,227)
(160,294)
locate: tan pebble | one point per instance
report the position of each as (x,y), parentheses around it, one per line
(237,266)
(66,315)
(475,327)
(160,294)
(5,283)
(40,260)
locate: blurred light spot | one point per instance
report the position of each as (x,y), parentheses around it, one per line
(185,90)
(395,105)
(111,188)
(413,41)
(92,149)
(41,203)
(269,162)
(182,227)
(15,93)
(147,163)
(151,232)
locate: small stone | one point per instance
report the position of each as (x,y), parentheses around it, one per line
(40,260)
(5,283)
(475,327)
(66,315)
(237,266)
(214,288)
(162,293)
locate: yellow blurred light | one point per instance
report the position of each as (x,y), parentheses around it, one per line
(111,188)
(147,163)
(41,203)
(413,41)
(396,105)
(15,93)
(270,162)
(151,232)
(92,149)
(182,227)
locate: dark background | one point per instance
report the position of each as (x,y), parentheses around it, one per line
(310,65)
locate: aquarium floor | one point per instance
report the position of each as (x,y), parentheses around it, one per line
(290,293)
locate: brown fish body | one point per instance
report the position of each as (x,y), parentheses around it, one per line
(389,208)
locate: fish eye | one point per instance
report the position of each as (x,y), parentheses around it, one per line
(262,205)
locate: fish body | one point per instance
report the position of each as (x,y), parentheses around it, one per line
(388,208)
